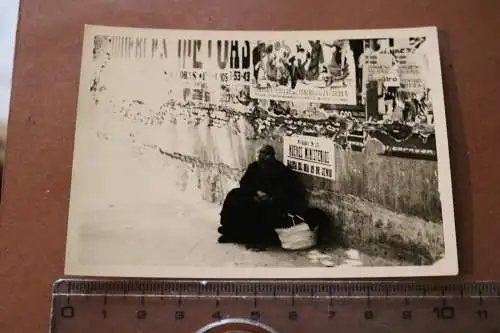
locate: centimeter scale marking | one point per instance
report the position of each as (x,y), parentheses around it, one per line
(179,306)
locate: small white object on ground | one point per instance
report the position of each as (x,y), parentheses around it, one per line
(326,262)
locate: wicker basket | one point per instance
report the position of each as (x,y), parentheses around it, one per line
(297,237)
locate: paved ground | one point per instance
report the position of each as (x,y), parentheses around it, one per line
(183,234)
(188,238)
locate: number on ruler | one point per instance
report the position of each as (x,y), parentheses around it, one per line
(67,312)
(141,314)
(293,315)
(331,314)
(255,315)
(179,315)
(407,314)
(446,312)
(482,314)
(369,315)
(216,315)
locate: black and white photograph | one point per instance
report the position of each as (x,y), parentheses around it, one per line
(260,154)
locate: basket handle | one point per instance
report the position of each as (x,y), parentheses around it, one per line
(292,216)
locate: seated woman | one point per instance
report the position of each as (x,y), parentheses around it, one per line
(268,191)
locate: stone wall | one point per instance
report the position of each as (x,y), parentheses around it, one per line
(385,205)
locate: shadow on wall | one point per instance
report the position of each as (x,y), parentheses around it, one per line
(347,219)
(387,206)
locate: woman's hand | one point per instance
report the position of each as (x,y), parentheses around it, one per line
(262,196)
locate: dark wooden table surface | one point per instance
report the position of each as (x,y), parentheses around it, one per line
(44,98)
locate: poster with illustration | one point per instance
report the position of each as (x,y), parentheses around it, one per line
(322,71)
(260,154)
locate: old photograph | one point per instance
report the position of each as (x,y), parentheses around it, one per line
(260,154)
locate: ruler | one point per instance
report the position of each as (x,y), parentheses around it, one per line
(195,306)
